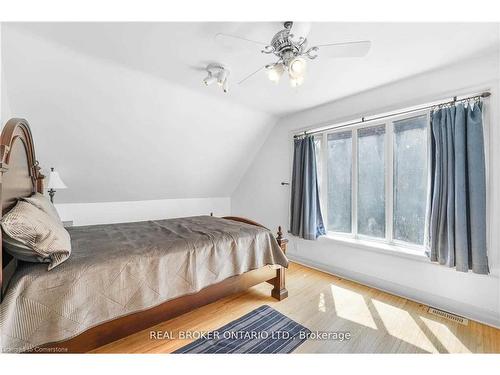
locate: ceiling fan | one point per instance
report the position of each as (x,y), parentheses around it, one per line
(292,52)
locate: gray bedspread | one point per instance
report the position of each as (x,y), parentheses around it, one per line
(118,269)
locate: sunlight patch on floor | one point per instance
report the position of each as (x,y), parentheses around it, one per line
(321,303)
(451,342)
(399,323)
(351,306)
(391,316)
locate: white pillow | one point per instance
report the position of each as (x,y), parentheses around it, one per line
(39,232)
(20,251)
(44,204)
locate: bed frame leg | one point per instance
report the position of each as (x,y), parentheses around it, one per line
(279,291)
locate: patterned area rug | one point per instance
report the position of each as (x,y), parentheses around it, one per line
(263,330)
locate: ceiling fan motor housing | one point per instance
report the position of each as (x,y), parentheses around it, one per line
(282,42)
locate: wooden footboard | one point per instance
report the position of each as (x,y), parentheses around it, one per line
(279,291)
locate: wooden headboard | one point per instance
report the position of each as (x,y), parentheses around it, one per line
(19,177)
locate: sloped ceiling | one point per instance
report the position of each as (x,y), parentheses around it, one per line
(118,134)
(178,51)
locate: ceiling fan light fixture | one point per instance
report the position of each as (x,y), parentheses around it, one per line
(209,80)
(275,72)
(217,73)
(221,77)
(293,50)
(297,67)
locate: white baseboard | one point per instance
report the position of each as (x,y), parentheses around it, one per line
(488,317)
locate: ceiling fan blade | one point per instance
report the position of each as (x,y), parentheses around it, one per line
(347,49)
(251,75)
(237,42)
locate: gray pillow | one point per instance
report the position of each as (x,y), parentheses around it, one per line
(43,203)
(39,232)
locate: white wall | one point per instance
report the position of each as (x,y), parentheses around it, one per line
(1,78)
(5,112)
(4,102)
(117,134)
(261,197)
(120,212)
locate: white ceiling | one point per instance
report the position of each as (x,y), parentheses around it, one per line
(178,51)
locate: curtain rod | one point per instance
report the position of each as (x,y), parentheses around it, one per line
(364,119)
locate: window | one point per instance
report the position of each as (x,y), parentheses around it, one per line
(374,179)
(371,181)
(339,182)
(410,179)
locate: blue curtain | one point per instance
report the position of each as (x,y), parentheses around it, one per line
(305,220)
(456,209)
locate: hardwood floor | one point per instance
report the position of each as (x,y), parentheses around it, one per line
(378,322)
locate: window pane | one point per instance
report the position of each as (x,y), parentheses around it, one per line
(371,181)
(410,179)
(339,181)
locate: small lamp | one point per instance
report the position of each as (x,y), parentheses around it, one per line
(55,182)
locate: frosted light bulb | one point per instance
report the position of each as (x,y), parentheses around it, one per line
(297,67)
(274,73)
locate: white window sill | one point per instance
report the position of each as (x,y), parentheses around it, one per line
(378,246)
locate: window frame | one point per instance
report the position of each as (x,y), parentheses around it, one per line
(388,179)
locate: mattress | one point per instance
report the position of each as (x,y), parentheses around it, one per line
(118,269)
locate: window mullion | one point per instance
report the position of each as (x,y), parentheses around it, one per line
(389,181)
(354,177)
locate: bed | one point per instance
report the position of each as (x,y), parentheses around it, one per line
(122,278)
